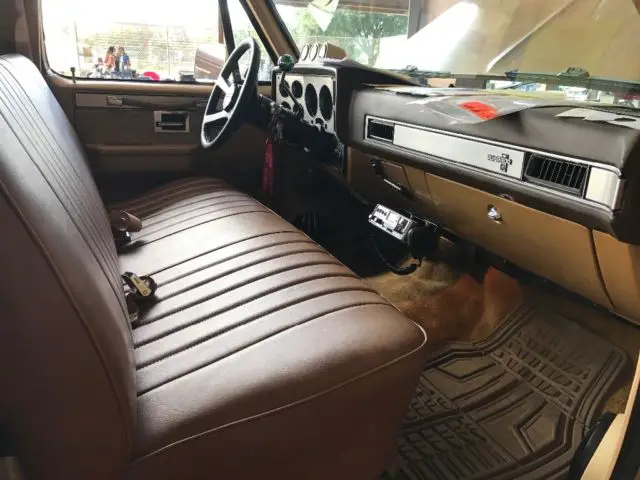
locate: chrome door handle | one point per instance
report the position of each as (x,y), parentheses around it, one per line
(171,124)
(114,101)
(494,214)
(170,121)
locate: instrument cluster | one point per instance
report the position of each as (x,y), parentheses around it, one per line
(316,95)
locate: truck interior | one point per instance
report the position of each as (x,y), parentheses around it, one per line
(319,239)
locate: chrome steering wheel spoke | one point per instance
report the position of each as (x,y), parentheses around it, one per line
(216,119)
(236,95)
(223,85)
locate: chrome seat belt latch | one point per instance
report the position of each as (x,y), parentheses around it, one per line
(142,288)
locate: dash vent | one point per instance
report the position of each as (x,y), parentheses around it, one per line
(379,130)
(561,175)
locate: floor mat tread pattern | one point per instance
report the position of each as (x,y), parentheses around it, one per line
(515,405)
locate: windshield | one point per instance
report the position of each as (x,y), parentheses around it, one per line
(588,38)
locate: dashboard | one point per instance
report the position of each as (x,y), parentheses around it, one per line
(567,189)
(579,170)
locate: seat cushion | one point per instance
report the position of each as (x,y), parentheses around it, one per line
(260,351)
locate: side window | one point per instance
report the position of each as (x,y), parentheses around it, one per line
(242,28)
(143,40)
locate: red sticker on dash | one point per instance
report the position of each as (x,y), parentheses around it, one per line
(479,109)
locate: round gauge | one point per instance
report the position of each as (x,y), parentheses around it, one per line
(322,51)
(313,52)
(304,53)
(311,100)
(296,89)
(326,103)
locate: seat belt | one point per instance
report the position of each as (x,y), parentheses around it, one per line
(141,290)
(122,224)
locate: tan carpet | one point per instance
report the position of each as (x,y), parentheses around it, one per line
(448,306)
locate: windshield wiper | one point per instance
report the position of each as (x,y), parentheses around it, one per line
(422,75)
(412,70)
(572,77)
(571,72)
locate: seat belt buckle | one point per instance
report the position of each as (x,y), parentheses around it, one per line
(121,239)
(142,287)
(122,223)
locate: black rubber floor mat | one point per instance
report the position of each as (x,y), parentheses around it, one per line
(513,406)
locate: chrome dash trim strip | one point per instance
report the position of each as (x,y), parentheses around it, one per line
(604,186)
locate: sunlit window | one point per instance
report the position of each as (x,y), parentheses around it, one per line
(143,40)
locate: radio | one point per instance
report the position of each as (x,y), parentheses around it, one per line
(391,222)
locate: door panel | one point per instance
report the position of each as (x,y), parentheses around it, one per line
(116,123)
(120,134)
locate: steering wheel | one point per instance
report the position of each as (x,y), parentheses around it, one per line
(217,127)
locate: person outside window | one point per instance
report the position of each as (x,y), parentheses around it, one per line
(123,64)
(110,59)
(123,60)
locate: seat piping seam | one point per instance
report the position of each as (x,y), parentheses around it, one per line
(233,257)
(176,208)
(289,405)
(262,339)
(226,273)
(211,220)
(180,221)
(171,188)
(194,343)
(157,206)
(226,245)
(235,288)
(209,315)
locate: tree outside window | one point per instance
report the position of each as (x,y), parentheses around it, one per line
(358,33)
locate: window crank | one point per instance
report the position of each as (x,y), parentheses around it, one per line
(494,214)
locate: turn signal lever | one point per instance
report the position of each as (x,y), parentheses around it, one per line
(286,64)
